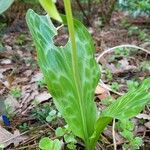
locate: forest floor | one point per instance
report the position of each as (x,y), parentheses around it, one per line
(26,102)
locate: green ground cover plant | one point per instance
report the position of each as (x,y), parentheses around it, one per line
(135,7)
(72,74)
(126,128)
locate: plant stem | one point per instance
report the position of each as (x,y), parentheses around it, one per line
(76,76)
(83,12)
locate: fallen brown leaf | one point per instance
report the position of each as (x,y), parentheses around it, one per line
(147,124)
(12,104)
(43,97)
(7,138)
(101,92)
(143,116)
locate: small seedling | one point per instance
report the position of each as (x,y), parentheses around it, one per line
(115,86)
(107,101)
(122,52)
(109,74)
(132,85)
(143,36)
(51,116)
(20,40)
(127,127)
(72,80)
(40,112)
(145,66)
(125,23)
(24,127)
(68,136)
(16,92)
(133,30)
(48,144)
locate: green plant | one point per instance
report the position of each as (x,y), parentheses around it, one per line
(5,4)
(40,112)
(53,114)
(135,7)
(132,85)
(107,101)
(145,66)
(133,30)
(48,144)
(109,74)
(127,127)
(21,39)
(122,51)
(24,127)
(72,78)
(1,147)
(15,92)
(69,137)
(143,36)
(115,86)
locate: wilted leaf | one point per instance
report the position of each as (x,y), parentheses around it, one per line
(43,97)
(143,116)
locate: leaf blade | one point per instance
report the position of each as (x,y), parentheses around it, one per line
(125,107)
(56,66)
(129,104)
(5,4)
(51,9)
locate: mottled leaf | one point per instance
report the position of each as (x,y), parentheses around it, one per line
(5,4)
(130,104)
(75,104)
(124,107)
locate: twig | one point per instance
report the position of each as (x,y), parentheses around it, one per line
(81,8)
(101,83)
(89,6)
(59,27)
(110,50)
(113,134)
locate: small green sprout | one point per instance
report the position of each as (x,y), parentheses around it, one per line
(115,86)
(132,85)
(69,137)
(24,127)
(48,144)
(127,128)
(16,92)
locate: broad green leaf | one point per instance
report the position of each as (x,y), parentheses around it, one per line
(129,104)
(78,108)
(48,144)
(50,8)
(5,4)
(125,107)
